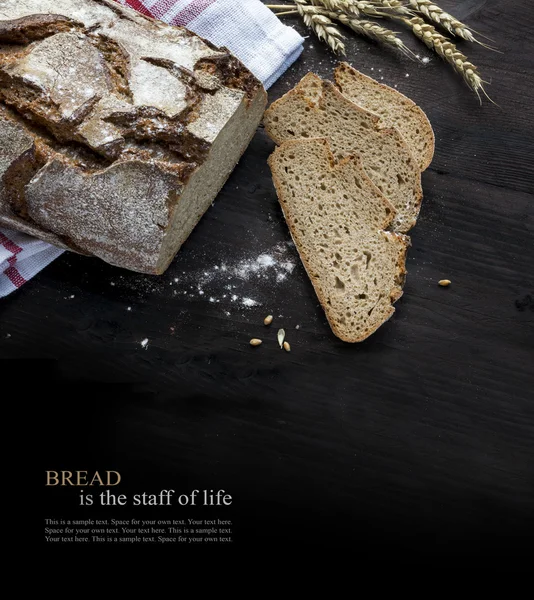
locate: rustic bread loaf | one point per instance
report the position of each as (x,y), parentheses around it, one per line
(116,131)
(316,108)
(393,108)
(337,218)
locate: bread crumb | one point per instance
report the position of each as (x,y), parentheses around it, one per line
(144,343)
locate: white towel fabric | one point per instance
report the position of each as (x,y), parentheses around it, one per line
(246,27)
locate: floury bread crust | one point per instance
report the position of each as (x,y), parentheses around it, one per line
(116,131)
(393,108)
(317,109)
(337,218)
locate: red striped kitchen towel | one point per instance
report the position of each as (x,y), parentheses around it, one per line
(246,27)
(21,257)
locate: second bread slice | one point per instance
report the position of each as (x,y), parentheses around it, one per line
(337,218)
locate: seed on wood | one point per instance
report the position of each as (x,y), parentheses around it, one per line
(444,282)
(281,336)
(287,347)
(268,320)
(255,342)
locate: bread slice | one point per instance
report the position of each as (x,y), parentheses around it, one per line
(317,109)
(393,108)
(337,218)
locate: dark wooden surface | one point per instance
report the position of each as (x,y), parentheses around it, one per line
(417,443)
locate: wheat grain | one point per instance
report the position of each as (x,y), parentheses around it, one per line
(429,35)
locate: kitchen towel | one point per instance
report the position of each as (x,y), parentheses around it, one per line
(21,257)
(246,27)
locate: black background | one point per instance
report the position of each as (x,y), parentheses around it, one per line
(415,444)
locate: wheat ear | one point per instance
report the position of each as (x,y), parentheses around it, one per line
(371,30)
(360,7)
(346,6)
(365,28)
(437,15)
(349,7)
(397,6)
(321,25)
(448,51)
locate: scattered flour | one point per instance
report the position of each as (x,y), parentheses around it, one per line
(246,281)
(243,280)
(248,302)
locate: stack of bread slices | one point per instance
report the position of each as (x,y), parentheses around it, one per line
(347,171)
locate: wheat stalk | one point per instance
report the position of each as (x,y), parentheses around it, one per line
(429,35)
(321,25)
